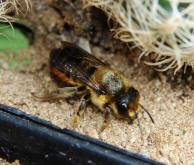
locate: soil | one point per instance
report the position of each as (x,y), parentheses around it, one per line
(169,140)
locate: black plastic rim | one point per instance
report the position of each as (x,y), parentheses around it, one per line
(36,141)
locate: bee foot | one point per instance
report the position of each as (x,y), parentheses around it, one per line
(76,122)
(103,126)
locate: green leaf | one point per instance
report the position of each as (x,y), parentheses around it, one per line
(165,4)
(12,39)
(184,132)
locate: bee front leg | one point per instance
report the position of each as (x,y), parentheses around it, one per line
(59,93)
(107,112)
(81,110)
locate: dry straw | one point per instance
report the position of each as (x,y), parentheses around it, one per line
(7,6)
(163,27)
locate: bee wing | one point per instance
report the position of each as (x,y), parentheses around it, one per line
(79,53)
(78,63)
(86,79)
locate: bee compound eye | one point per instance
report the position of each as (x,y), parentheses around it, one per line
(123,105)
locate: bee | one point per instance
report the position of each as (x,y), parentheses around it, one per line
(95,82)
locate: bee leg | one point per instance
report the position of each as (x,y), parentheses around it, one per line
(82,108)
(70,101)
(57,94)
(107,113)
(81,90)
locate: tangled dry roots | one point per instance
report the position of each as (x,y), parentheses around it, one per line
(7,6)
(166,30)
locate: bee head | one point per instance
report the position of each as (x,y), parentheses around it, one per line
(128,104)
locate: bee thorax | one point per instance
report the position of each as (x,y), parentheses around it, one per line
(112,82)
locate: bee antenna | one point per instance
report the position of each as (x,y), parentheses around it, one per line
(147,113)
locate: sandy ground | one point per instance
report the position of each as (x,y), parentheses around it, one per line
(4,162)
(169,140)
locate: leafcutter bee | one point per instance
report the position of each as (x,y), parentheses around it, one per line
(95,82)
